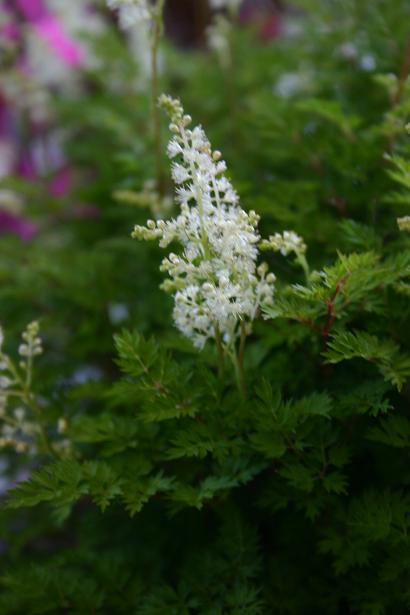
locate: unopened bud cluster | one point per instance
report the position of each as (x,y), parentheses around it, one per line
(31,346)
(214,279)
(404,223)
(285,243)
(19,424)
(148,197)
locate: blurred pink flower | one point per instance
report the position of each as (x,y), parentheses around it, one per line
(51,30)
(61,183)
(84,211)
(267,20)
(14,224)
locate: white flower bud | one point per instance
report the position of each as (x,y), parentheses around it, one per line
(62,425)
(19,413)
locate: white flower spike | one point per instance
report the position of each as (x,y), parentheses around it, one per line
(216,283)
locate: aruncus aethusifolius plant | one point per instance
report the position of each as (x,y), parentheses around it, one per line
(217,285)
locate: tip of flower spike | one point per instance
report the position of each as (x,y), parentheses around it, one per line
(404,224)
(172,107)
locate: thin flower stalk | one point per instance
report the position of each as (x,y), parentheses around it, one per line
(133,13)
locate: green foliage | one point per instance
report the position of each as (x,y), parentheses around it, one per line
(393,365)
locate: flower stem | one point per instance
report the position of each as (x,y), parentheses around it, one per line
(156,118)
(27,396)
(221,354)
(239,375)
(242,344)
(237,360)
(301,259)
(32,403)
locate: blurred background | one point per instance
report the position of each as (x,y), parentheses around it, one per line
(52,49)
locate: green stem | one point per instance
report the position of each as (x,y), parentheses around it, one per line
(301,259)
(240,381)
(221,354)
(237,360)
(29,371)
(156,118)
(231,86)
(242,345)
(31,402)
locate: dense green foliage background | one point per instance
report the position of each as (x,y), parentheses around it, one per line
(179,496)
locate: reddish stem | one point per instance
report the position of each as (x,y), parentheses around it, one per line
(404,72)
(331,308)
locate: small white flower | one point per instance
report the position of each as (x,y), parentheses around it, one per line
(404,223)
(8,431)
(368,62)
(288,85)
(347,50)
(5,382)
(19,413)
(117,313)
(179,173)
(62,425)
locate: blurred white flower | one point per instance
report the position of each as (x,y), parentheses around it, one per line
(132,12)
(218,35)
(347,50)
(231,5)
(368,62)
(117,313)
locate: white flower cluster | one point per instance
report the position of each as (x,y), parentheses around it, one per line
(133,12)
(215,280)
(285,243)
(20,427)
